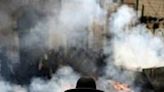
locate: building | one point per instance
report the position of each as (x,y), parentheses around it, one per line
(131,3)
(154,8)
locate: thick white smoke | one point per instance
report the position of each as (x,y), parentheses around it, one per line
(72,24)
(68,25)
(64,79)
(134,46)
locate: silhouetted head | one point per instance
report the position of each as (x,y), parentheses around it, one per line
(85,84)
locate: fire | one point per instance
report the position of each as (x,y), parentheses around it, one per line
(121,87)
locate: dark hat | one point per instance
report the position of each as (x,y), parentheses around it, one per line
(85,84)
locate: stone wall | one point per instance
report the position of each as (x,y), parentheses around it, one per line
(152,7)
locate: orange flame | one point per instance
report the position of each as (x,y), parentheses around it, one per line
(121,87)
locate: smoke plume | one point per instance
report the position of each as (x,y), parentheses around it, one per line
(134,45)
(30,28)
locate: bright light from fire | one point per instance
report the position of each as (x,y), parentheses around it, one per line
(121,87)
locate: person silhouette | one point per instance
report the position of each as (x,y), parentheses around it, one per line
(85,84)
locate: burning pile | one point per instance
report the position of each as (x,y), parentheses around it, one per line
(121,87)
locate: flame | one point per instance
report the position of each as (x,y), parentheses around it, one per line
(121,87)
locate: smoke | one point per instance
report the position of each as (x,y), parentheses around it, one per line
(71,26)
(41,25)
(64,79)
(134,46)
